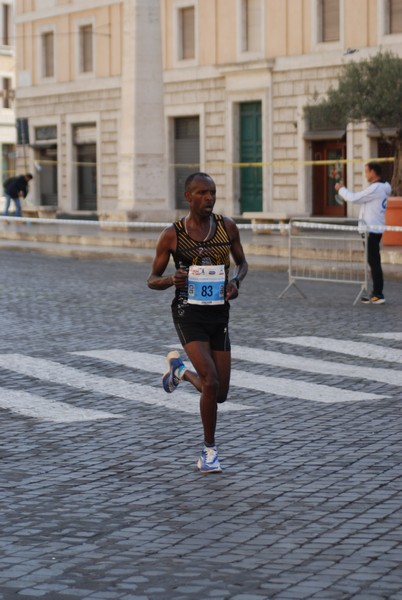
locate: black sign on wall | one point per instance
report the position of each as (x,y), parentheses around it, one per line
(22,131)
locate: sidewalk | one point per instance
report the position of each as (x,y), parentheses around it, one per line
(268,251)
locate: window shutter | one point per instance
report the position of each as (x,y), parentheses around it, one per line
(395,16)
(186,152)
(86,37)
(6,92)
(251,25)
(6,24)
(48,54)
(330,20)
(188,32)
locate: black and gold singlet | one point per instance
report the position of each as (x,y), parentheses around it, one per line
(215,251)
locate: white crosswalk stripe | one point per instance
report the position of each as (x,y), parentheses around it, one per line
(396,335)
(34,405)
(45,409)
(359,349)
(279,386)
(54,372)
(316,365)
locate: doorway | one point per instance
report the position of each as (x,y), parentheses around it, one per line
(385,150)
(326,202)
(47,158)
(86,177)
(250,151)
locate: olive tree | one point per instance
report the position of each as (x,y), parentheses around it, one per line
(371,90)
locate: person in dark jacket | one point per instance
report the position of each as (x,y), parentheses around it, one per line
(14,189)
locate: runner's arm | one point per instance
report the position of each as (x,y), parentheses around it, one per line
(156,279)
(164,248)
(241,268)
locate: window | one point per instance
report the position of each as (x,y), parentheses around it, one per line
(86,48)
(386,150)
(43,134)
(86,165)
(86,176)
(47,158)
(6,24)
(186,151)
(48,54)
(395,16)
(7,92)
(251,26)
(187,32)
(330,14)
(8,160)
(390,21)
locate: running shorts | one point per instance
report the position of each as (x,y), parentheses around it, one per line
(217,334)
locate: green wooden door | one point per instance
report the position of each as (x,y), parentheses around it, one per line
(250,151)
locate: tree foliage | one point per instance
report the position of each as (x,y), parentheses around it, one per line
(371,90)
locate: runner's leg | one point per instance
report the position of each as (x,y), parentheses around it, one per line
(200,355)
(222,360)
(193,378)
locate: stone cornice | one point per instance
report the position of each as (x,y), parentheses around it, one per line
(74,87)
(66,9)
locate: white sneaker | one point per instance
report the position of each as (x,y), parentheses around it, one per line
(169,379)
(209,461)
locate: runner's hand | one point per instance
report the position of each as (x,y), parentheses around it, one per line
(180,278)
(231,292)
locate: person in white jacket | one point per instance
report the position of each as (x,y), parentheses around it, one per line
(373,201)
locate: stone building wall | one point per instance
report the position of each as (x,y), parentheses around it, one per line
(65,110)
(210,94)
(292,89)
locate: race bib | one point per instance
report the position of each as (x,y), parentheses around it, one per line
(206,284)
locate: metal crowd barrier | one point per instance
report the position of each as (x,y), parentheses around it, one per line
(324,249)
(332,250)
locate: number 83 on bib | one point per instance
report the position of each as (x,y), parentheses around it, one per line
(206,284)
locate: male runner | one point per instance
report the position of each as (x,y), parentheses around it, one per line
(201,244)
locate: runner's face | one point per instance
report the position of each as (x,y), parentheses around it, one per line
(202,196)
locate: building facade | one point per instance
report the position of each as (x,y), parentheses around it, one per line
(125,98)
(7,90)
(69,89)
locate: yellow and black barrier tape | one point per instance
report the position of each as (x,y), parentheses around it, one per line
(216,165)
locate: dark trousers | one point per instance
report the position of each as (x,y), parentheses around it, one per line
(374,260)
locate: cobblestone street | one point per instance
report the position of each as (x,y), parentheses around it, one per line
(99,492)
